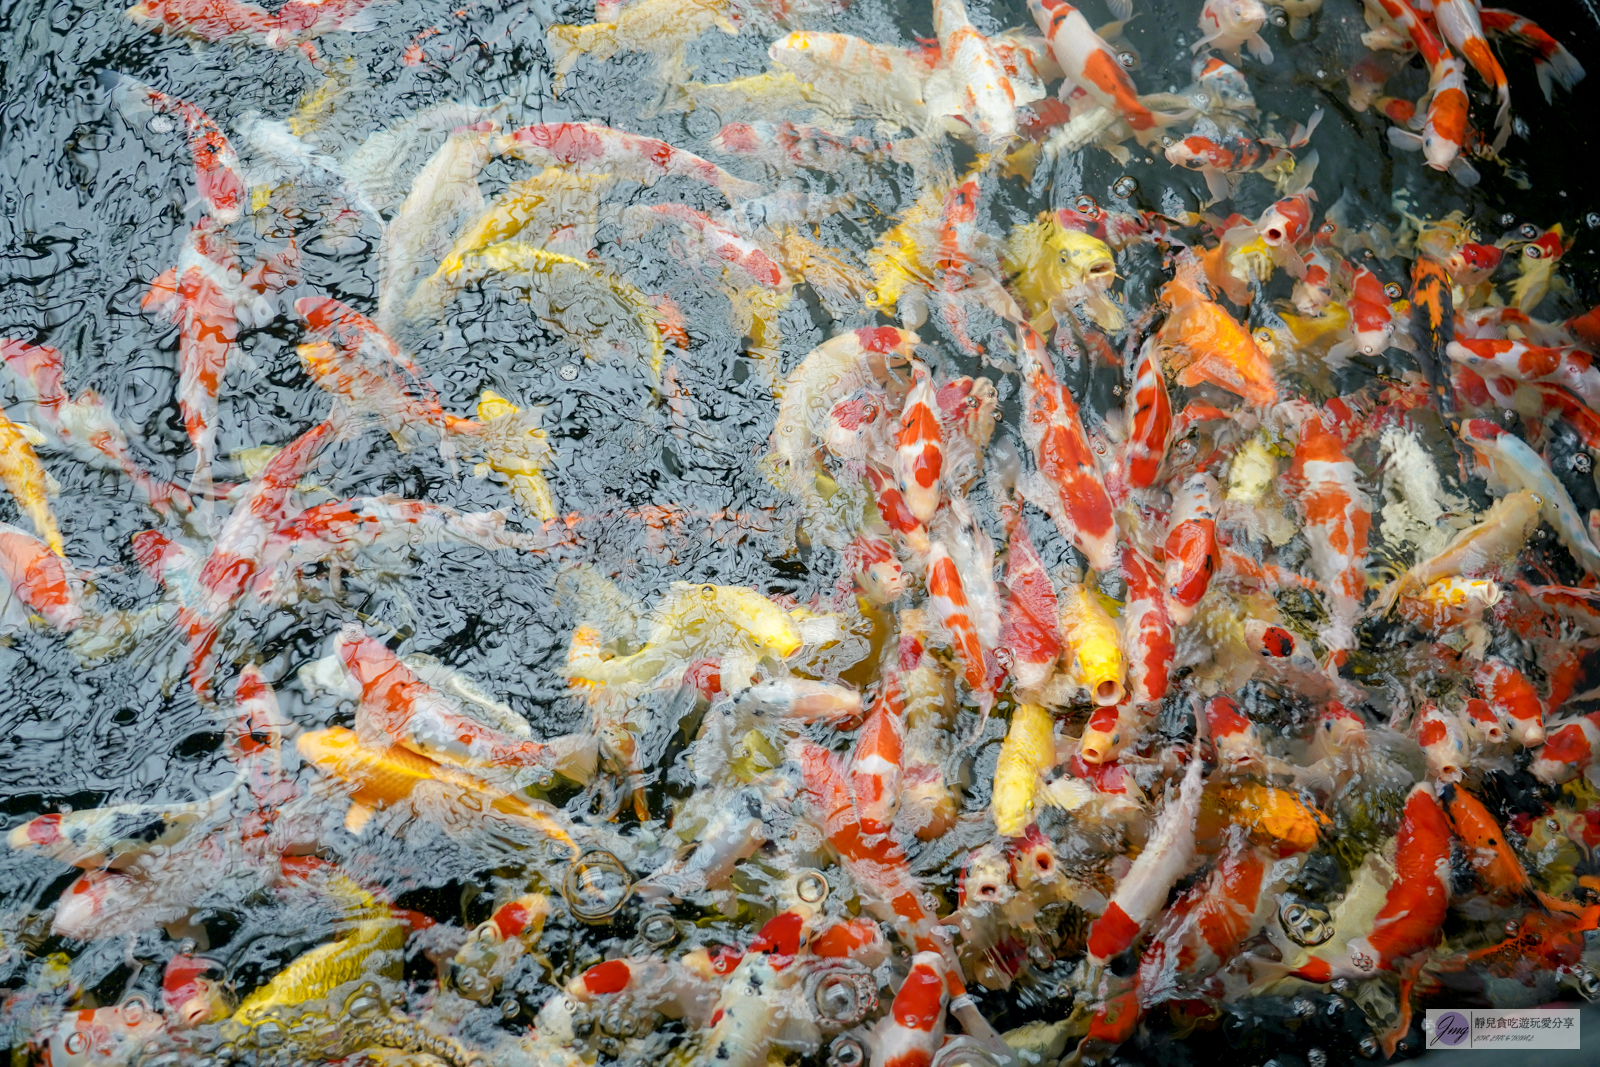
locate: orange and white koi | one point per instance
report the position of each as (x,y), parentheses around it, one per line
(914,1028)
(1514,698)
(1203,343)
(38,581)
(876,766)
(1149,413)
(1143,891)
(1373,323)
(1458,23)
(217,176)
(1444,130)
(1569,749)
(1074,493)
(1338,517)
(1227,24)
(988,101)
(398,708)
(876,861)
(964,275)
(1030,629)
(1206,925)
(590,149)
(1481,722)
(967,408)
(1553,64)
(1224,163)
(919,447)
(1192,554)
(205,20)
(1413,908)
(948,600)
(1089,62)
(208,298)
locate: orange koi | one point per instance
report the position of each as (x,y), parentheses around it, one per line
(1203,343)
(1150,419)
(1337,517)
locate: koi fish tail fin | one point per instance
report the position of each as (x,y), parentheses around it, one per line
(1299,136)
(1121,10)
(1557,68)
(1297,179)
(566,43)
(1259,48)
(1502,116)
(1167,119)
(1465,174)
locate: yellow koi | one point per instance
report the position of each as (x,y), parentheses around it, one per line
(1093,646)
(25,479)
(1057,268)
(518,450)
(662,28)
(1027,752)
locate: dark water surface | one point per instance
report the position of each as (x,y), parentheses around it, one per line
(93,208)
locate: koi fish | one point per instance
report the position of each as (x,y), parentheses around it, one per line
(82,424)
(1517,465)
(719,242)
(914,1028)
(1027,752)
(216,167)
(1337,516)
(1530,363)
(876,767)
(1513,697)
(1569,749)
(1143,891)
(1415,904)
(1458,23)
(855,74)
(948,599)
(1203,343)
(1224,163)
(38,581)
(1058,268)
(661,28)
(919,447)
(1147,638)
(1444,744)
(1227,24)
(1030,628)
(1553,64)
(378,778)
(590,149)
(1149,413)
(1073,491)
(1191,547)
(988,101)
(1537,267)
(25,479)
(1089,62)
(1482,549)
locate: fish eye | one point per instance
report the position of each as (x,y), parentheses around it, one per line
(1533,252)
(1528,230)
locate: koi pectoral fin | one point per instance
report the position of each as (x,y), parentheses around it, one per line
(356,819)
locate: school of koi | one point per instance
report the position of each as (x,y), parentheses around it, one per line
(1123,716)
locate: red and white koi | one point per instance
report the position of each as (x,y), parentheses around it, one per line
(1569,749)
(1192,554)
(719,242)
(1029,629)
(1514,698)
(1143,891)
(1206,925)
(217,175)
(207,297)
(1149,413)
(1444,744)
(1235,737)
(1458,23)
(876,767)
(37,582)
(1413,908)
(919,447)
(948,600)
(1522,362)
(590,149)
(914,1028)
(1074,492)
(1553,65)
(1089,62)
(1147,638)
(988,103)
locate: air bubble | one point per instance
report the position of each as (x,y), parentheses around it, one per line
(77,1043)
(1507,219)
(1321,74)
(1581,462)
(846,1051)
(1393,291)
(1125,186)
(708,592)
(1592,220)
(161,124)
(1085,204)
(568,372)
(1528,230)
(1128,60)
(596,885)
(658,929)
(811,887)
